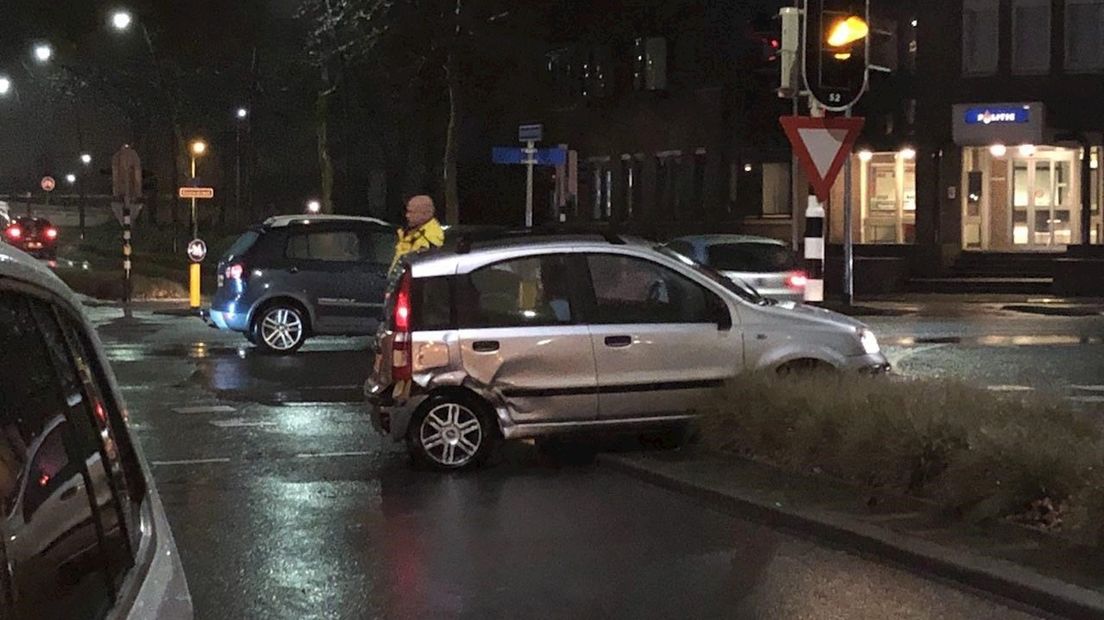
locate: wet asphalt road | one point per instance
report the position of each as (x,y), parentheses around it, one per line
(285,504)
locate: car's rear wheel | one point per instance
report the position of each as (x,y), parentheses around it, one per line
(452,432)
(280,328)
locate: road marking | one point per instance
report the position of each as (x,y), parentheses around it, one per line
(1088,388)
(324,455)
(895,358)
(1010,388)
(192,462)
(206,409)
(240,423)
(1086,399)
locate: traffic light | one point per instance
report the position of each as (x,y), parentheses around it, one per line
(837,36)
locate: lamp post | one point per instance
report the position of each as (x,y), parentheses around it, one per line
(86,160)
(198,149)
(243,117)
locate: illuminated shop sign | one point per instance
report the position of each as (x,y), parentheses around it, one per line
(998,116)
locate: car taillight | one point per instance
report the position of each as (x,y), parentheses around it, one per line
(401,364)
(797,281)
(51,233)
(15,232)
(235,272)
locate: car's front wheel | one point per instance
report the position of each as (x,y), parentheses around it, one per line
(280,328)
(451,432)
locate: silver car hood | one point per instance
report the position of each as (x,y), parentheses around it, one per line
(802,313)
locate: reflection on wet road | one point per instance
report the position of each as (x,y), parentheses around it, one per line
(285,504)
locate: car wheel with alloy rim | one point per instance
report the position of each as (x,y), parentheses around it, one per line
(452,432)
(280,328)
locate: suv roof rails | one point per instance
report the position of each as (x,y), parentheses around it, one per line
(464,245)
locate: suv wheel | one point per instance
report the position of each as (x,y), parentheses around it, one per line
(280,328)
(452,432)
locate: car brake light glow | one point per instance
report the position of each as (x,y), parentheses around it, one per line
(797,280)
(235,272)
(401,367)
(15,232)
(51,233)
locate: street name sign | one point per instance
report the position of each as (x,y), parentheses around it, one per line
(518,156)
(200,193)
(822,145)
(533,132)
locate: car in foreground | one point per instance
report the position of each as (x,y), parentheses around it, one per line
(294,277)
(34,235)
(538,335)
(767,265)
(83,534)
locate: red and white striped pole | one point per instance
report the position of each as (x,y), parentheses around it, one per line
(814,250)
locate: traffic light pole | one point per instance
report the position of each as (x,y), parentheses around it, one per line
(848,233)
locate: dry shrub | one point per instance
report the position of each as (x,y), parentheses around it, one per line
(979,454)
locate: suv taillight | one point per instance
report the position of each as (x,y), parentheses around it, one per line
(797,281)
(15,232)
(401,363)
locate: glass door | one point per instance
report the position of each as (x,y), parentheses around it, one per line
(1043,202)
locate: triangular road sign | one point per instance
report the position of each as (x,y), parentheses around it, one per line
(822,145)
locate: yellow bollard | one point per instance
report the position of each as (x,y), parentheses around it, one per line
(193,284)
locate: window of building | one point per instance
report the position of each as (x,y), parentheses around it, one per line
(565,73)
(888,197)
(632,169)
(668,172)
(650,64)
(523,292)
(980,36)
(1084,35)
(776,190)
(632,290)
(598,73)
(1030,36)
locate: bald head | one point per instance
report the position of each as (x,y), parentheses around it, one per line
(419,210)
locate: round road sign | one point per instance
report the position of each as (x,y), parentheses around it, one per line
(48,184)
(197,250)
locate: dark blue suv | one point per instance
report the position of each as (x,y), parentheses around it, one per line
(300,276)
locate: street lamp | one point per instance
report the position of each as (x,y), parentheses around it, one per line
(86,159)
(198,149)
(121,20)
(242,113)
(71,178)
(5,85)
(314,206)
(43,52)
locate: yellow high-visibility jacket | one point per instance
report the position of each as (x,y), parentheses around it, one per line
(428,235)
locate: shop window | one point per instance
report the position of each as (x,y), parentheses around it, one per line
(980,36)
(888,195)
(1030,36)
(776,190)
(1084,35)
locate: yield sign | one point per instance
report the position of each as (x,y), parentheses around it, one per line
(822,145)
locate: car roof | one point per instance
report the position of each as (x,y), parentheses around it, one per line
(283,221)
(717,239)
(445,259)
(17,265)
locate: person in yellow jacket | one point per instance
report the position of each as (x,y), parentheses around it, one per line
(422,230)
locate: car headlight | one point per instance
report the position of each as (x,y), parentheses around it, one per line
(869,342)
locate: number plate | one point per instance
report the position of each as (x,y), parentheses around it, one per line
(34,245)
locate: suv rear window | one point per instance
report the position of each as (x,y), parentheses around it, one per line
(751,257)
(244,242)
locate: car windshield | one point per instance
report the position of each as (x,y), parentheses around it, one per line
(751,257)
(741,290)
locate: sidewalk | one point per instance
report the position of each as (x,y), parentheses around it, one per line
(1006,560)
(945,305)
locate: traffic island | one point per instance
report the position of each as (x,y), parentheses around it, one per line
(998,493)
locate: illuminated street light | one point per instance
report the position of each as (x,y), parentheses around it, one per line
(5,85)
(242,113)
(70,178)
(86,159)
(121,20)
(314,206)
(43,52)
(199,147)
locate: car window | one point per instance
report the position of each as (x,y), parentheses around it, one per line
(682,247)
(243,243)
(335,246)
(516,293)
(633,290)
(431,304)
(50,534)
(751,257)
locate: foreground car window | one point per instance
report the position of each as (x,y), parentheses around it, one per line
(517,293)
(751,257)
(58,568)
(632,290)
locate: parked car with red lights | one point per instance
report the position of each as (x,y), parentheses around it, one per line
(767,265)
(34,235)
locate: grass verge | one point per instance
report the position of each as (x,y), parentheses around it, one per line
(979,455)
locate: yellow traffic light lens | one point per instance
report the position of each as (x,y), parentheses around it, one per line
(842,56)
(847,30)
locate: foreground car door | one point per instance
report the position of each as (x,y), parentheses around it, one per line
(519,336)
(662,342)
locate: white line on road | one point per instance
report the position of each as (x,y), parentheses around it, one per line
(240,423)
(192,462)
(1088,388)
(206,409)
(325,455)
(1010,388)
(1087,399)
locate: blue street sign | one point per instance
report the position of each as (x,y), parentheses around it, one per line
(516,155)
(530,133)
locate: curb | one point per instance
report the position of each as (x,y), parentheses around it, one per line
(1000,577)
